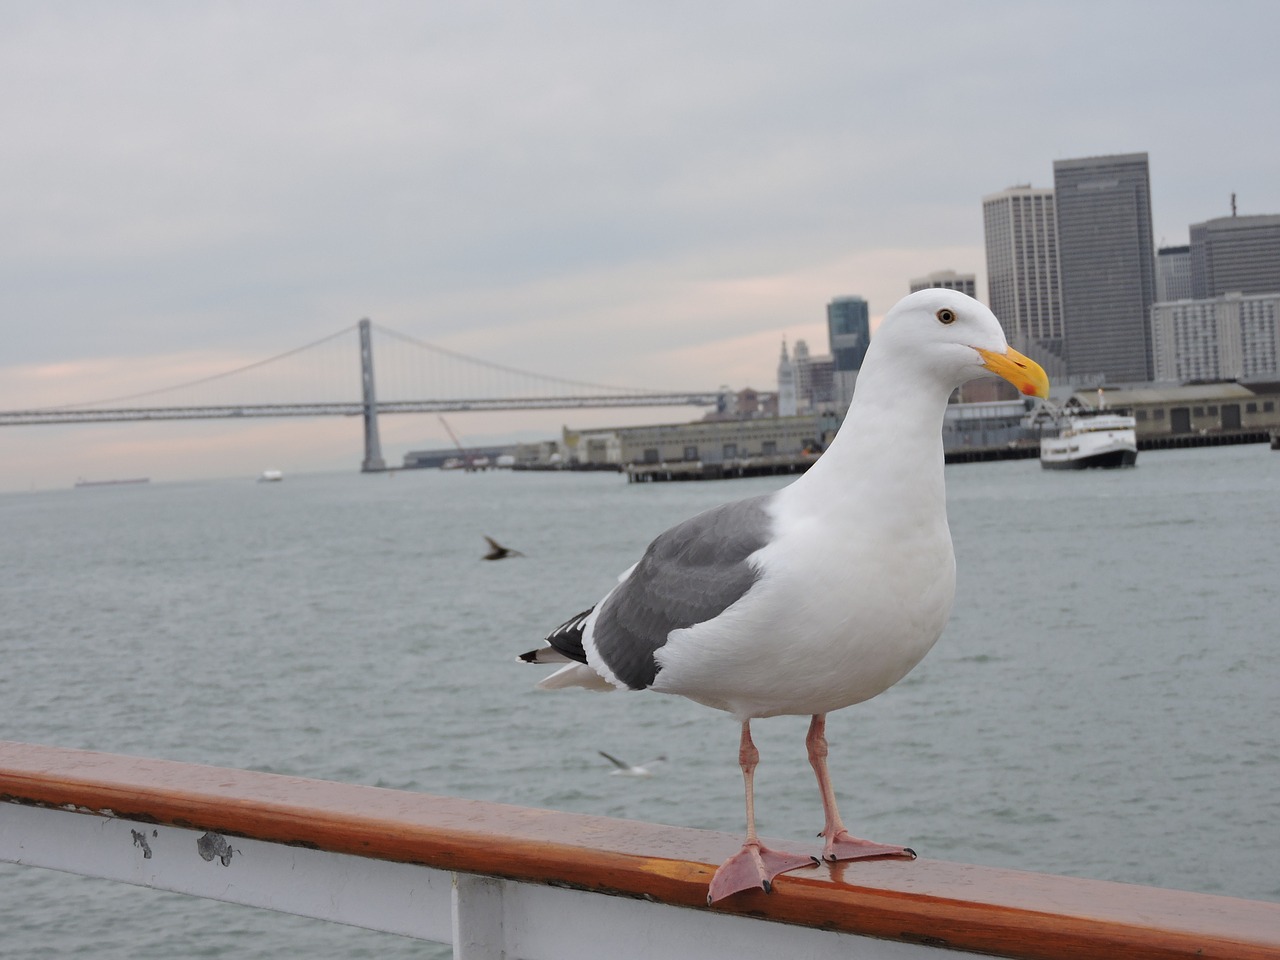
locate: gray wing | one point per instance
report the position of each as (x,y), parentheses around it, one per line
(689,575)
(614,760)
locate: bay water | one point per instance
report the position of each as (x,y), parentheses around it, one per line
(1104,702)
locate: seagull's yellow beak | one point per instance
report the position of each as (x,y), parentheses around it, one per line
(1023,372)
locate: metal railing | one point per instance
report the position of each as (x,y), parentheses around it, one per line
(500,881)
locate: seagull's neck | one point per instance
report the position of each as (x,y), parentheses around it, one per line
(891,442)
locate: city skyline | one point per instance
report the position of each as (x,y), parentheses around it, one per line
(582,187)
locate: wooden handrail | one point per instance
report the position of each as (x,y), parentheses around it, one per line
(957,906)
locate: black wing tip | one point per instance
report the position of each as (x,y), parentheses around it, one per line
(573,626)
(567,638)
(530,657)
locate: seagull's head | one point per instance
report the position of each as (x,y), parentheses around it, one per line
(956,338)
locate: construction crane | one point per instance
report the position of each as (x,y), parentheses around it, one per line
(466,457)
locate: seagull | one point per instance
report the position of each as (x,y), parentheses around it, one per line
(498,552)
(624,769)
(820,595)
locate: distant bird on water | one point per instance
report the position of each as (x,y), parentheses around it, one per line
(817,596)
(624,769)
(498,552)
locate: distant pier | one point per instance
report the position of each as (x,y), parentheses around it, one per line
(1016,450)
(1218,438)
(724,470)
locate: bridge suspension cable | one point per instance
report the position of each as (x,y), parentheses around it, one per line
(541,379)
(173,388)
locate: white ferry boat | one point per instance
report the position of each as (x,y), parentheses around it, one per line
(1090,439)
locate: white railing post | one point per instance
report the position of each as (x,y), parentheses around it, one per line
(477,918)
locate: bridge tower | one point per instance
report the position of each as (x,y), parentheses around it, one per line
(373,462)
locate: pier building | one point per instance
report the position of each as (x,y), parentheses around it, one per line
(1198,414)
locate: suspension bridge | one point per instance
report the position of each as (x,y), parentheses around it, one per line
(319,379)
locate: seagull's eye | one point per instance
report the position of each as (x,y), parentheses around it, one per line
(946,315)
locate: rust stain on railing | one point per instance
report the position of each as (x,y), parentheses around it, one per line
(957,906)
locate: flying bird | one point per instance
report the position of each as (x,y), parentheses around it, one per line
(820,595)
(498,552)
(624,769)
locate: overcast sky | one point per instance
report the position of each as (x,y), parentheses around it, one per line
(640,193)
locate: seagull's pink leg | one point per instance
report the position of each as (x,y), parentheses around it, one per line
(839,844)
(755,865)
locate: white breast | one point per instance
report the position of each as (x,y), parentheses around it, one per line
(833,621)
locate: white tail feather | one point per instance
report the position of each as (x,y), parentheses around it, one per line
(575,675)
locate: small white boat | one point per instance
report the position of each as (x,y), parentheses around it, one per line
(271,476)
(1090,439)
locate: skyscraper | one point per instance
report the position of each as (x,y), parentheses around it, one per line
(804,377)
(849,328)
(1022,271)
(1107,263)
(1235,255)
(1173,274)
(946,280)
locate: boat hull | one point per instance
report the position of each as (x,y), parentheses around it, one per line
(1105,459)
